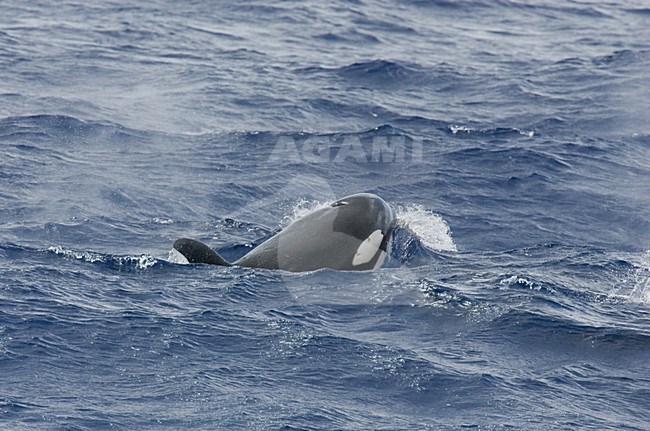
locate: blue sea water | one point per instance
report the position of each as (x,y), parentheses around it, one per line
(512,137)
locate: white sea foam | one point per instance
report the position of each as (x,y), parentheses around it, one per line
(79,255)
(516,280)
(143,261)
(162,220)
(459,129)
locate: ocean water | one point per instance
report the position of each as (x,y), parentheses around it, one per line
(512,138)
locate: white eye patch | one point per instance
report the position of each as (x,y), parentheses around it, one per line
(368,248)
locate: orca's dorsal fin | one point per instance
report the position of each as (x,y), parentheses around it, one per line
(197,252)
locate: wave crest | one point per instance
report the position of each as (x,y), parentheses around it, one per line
(141,262)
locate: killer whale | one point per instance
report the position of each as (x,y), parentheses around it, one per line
(351,234)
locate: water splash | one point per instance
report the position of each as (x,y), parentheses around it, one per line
(516,280)
(641,290)
(432,230)
(175,256)
(301,209)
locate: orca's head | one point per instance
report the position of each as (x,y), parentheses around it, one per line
(351,234)
(367,217)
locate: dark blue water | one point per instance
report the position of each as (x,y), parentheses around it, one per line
(512,137)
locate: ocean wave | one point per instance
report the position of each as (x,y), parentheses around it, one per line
(501,132)
(623,57)
(348,36)
(381,71)
(530,325)
(377,73)
(68,130)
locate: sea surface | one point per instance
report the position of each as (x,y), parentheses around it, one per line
(512,137)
